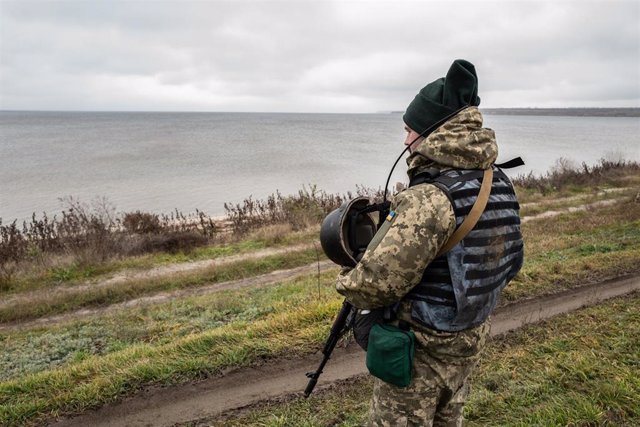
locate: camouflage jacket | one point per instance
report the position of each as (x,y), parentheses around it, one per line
(424,219)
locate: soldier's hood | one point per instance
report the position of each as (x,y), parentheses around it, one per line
(460,143)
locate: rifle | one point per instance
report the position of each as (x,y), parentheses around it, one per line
(345,318)
(341,325)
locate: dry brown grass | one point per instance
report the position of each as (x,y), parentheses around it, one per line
(274,233)
(566,174)
(306,208)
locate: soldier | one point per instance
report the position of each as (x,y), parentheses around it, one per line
(446,300)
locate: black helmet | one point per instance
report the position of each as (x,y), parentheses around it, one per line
(346,232)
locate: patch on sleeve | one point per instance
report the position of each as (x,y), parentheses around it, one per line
(386,225)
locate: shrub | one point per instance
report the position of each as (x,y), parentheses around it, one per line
(141,222)
(172,242)
(565,173)
(13,248)
(271,234)
(89,234)
(308,207)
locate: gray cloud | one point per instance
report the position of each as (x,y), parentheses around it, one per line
(353,56)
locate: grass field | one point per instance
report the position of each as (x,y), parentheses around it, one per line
(580,369)
(44,303)
(83,363)
(40,349)
(559,247)
(70,274)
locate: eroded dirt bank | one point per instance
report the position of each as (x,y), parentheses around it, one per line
(206,399)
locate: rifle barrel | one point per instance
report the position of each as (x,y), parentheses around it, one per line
(337,330)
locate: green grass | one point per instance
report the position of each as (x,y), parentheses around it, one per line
(577,369)
(577,249)
(87,380)
(575,261)
(250,243)
(92,361)
(45,305)
(559,251)
(31,351)
(530,195)
(70,274)
(64,348)
(581,369)
(581,198)
(95,380)
(606,179)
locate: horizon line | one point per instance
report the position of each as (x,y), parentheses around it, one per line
(294,112)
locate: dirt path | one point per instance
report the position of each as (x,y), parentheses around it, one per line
(261,280)
(166,270)
(241,388)
(547,202)
(255,281)
(571,209)
(155,272)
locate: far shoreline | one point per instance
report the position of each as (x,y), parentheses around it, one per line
(570,112)
(573,112)
(516,111)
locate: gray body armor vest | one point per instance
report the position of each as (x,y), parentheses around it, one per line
(460,289)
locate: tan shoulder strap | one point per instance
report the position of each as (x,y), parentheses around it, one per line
(475,213)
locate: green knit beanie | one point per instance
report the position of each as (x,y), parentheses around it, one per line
(442,97)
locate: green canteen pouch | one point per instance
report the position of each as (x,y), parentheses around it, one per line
(390,354)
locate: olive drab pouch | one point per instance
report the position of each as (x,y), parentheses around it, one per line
(390,354)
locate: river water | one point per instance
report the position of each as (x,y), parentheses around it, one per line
(161,161)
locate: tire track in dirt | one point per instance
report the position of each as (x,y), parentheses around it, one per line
(238,389)
(547,202)
(571,209)
(155,272)
(261,280)
(255,281)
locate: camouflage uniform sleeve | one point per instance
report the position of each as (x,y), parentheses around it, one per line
(389,269)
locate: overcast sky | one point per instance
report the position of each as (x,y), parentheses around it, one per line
(312,56)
